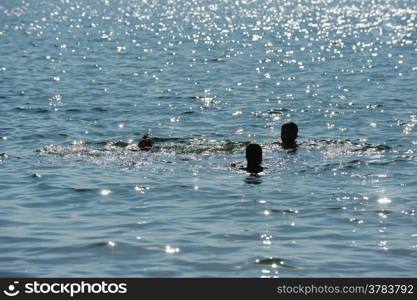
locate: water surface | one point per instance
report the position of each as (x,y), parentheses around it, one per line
(82,81)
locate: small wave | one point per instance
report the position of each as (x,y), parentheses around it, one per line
(38,136)
(86,190)
(356,221)
(73,110)
(33,110)
(120,144)
(331,166)
(200,146)
(189,112)
(276,262)
(353,146)
(217,60)
(376,147)
(99,109)
(383,211)
(77,150)
(285,211)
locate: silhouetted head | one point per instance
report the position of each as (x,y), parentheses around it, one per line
(289,132)
(254,155)
(145,143)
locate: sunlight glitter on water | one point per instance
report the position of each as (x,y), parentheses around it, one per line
(83,81)
(384,200)
(105,192)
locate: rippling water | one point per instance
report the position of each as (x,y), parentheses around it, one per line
(82,81)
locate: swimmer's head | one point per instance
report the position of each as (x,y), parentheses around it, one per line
(254,155)
(145,143)
(289,132)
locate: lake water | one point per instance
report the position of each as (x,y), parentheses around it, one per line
(82,81)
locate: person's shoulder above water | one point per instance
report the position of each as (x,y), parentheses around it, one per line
(253,170)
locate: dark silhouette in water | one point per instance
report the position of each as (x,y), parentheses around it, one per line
(289,132)
(145,143)
(253,158)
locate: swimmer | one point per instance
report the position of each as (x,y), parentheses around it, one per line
(145,143)
(289,132)
(253,158)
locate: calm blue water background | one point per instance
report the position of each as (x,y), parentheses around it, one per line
(82,81)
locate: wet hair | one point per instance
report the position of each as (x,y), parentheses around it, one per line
(289,132)
(145,143)
(254,155)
